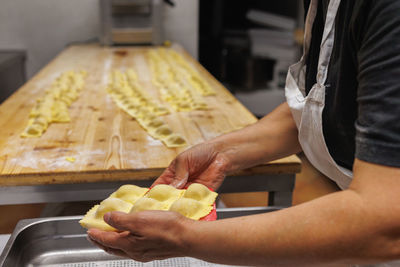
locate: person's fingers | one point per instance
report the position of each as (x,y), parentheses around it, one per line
(178,183)
(181,173)
(139,253)
(109,239)
(167,176)
(119,220)
(112,251)
(159,181)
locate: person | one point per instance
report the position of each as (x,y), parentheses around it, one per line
(343,112)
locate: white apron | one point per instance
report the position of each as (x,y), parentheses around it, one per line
(307,110)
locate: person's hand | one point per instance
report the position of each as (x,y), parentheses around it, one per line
(144,236)
(199,164)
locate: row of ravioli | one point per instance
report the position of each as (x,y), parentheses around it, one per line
(186,69)
(53,106)
(175,80)
(126,85)
(195,202)
(127,94)
(172,75)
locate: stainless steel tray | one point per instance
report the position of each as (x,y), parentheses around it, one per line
(61,241)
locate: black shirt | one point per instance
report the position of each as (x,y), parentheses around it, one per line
(361,117)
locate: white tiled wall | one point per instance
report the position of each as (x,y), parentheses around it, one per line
(45,27)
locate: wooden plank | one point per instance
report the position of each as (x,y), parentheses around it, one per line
(107,143)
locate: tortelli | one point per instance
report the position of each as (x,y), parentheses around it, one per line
(195,202)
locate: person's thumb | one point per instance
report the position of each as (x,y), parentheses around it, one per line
(118,220)
(181,174)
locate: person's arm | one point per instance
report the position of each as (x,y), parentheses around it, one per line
(360,225)
(272,137)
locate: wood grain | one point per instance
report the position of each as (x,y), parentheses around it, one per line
(107,143)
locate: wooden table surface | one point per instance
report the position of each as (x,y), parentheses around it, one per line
(107,143)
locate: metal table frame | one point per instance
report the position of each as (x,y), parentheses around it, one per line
(280,187)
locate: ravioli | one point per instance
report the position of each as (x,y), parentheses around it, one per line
(153,123)
(146,203)
(90,221)
(178,83)
(112,204)
(200,193)
(129,193)
(195,202)
(164,193)
(53,106)
(94,217)
(194,77)
(126,92)
(191,208)
(174,141)
(163,131)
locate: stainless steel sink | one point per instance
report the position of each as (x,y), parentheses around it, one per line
(61,241)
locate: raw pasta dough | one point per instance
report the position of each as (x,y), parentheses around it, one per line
(129,193)
(200,193)
(94,217)
(191,208)
(165,194)
(195,203)
(177,81)
(127,94)
(53,107)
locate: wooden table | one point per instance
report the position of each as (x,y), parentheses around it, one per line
(109,146)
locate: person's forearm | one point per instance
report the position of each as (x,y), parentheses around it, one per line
(273,137)
(360,225)
(333,229)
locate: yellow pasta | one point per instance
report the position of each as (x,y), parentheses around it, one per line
(174,80)
(195,202)
(146,203)
(191,208)
(94,217)
(53,106)
(126,92)
(201,193)
(165,193)
(129,193)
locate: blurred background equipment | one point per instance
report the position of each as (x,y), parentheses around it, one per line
(12,72)
(249,45)
(131,22)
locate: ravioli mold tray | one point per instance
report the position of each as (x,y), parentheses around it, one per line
(61,242)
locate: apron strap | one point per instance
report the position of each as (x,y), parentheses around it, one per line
(310,18)
(311,14)
(327,42)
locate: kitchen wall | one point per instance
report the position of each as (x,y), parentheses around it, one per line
(44,27)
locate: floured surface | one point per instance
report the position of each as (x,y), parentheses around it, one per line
(105,142)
